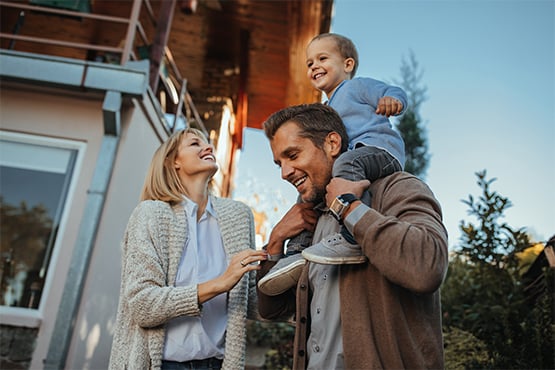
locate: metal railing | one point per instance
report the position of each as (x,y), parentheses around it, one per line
(172,83)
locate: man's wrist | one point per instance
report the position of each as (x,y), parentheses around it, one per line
(355,214)
(272,257)
(351,207)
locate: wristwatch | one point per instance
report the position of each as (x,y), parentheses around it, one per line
(340,205)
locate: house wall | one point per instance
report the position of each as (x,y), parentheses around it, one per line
(78,116)
(55,114)
(92,337)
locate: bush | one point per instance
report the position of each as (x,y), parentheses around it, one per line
(485,296)
(278,336)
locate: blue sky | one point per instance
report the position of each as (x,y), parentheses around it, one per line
(489,67)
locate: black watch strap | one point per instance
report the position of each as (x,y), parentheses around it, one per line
(340,204)
(348,198)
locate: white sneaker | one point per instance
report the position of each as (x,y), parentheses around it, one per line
(283,276)
(334,250)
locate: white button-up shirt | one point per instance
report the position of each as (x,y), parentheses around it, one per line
(204,258)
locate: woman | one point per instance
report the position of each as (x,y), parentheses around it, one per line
(188,264)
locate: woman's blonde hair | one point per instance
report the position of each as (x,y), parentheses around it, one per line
(162,181)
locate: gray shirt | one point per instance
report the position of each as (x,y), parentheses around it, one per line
(325,343)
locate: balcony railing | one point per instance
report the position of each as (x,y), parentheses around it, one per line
(31,27)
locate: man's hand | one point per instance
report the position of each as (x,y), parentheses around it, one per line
(300,217)
(388,106)
(338,186)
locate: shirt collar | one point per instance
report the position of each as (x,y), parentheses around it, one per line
(191,207)
(322,207)
(210,207)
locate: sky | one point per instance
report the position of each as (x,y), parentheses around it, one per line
(489,70)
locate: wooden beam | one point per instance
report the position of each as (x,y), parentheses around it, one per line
(158,46)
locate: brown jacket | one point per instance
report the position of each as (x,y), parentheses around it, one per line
(390,307)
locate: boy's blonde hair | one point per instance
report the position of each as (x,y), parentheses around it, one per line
(346,47)
(162,181)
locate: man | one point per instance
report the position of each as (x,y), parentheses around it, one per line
(381,314)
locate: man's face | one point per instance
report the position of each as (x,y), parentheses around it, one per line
(307,167)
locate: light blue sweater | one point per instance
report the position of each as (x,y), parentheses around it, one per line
(356,101)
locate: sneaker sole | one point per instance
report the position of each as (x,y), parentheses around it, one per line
(271,286)
(334,260)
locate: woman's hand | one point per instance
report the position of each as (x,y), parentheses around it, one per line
(240,263)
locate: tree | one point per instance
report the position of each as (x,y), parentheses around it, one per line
(410,124)
(24,234)
(485,296)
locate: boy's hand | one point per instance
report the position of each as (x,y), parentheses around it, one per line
(388,106)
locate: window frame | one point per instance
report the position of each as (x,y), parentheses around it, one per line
(33,317)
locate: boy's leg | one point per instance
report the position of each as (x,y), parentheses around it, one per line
(286,272)
(300,241)
(364,162)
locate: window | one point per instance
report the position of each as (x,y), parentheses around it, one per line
(35,177)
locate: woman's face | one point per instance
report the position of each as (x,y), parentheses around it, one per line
(195,157)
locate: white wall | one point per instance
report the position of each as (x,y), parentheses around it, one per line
(78,116)
(57,114)
(92,337)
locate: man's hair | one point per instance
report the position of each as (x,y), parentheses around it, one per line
(315,120)
(346,47)
(162,181)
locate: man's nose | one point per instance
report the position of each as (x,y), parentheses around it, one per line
(286,171)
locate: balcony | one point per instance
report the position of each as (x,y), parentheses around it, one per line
(113,32)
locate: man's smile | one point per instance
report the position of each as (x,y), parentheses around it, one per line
(298,182)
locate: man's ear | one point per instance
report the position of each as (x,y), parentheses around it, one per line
(333,143)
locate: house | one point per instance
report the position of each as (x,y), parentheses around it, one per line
(535,275)
(88,90)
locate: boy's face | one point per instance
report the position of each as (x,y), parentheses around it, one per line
(326,67)
(307,167)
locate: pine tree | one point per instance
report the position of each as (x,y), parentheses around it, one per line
(410,124)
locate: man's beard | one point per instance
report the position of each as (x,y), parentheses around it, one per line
(318,196)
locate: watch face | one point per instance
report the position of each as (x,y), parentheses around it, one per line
(340,204)
(337,208)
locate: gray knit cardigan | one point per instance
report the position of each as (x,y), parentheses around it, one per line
(151,251)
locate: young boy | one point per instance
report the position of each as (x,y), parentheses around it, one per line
(375,150)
